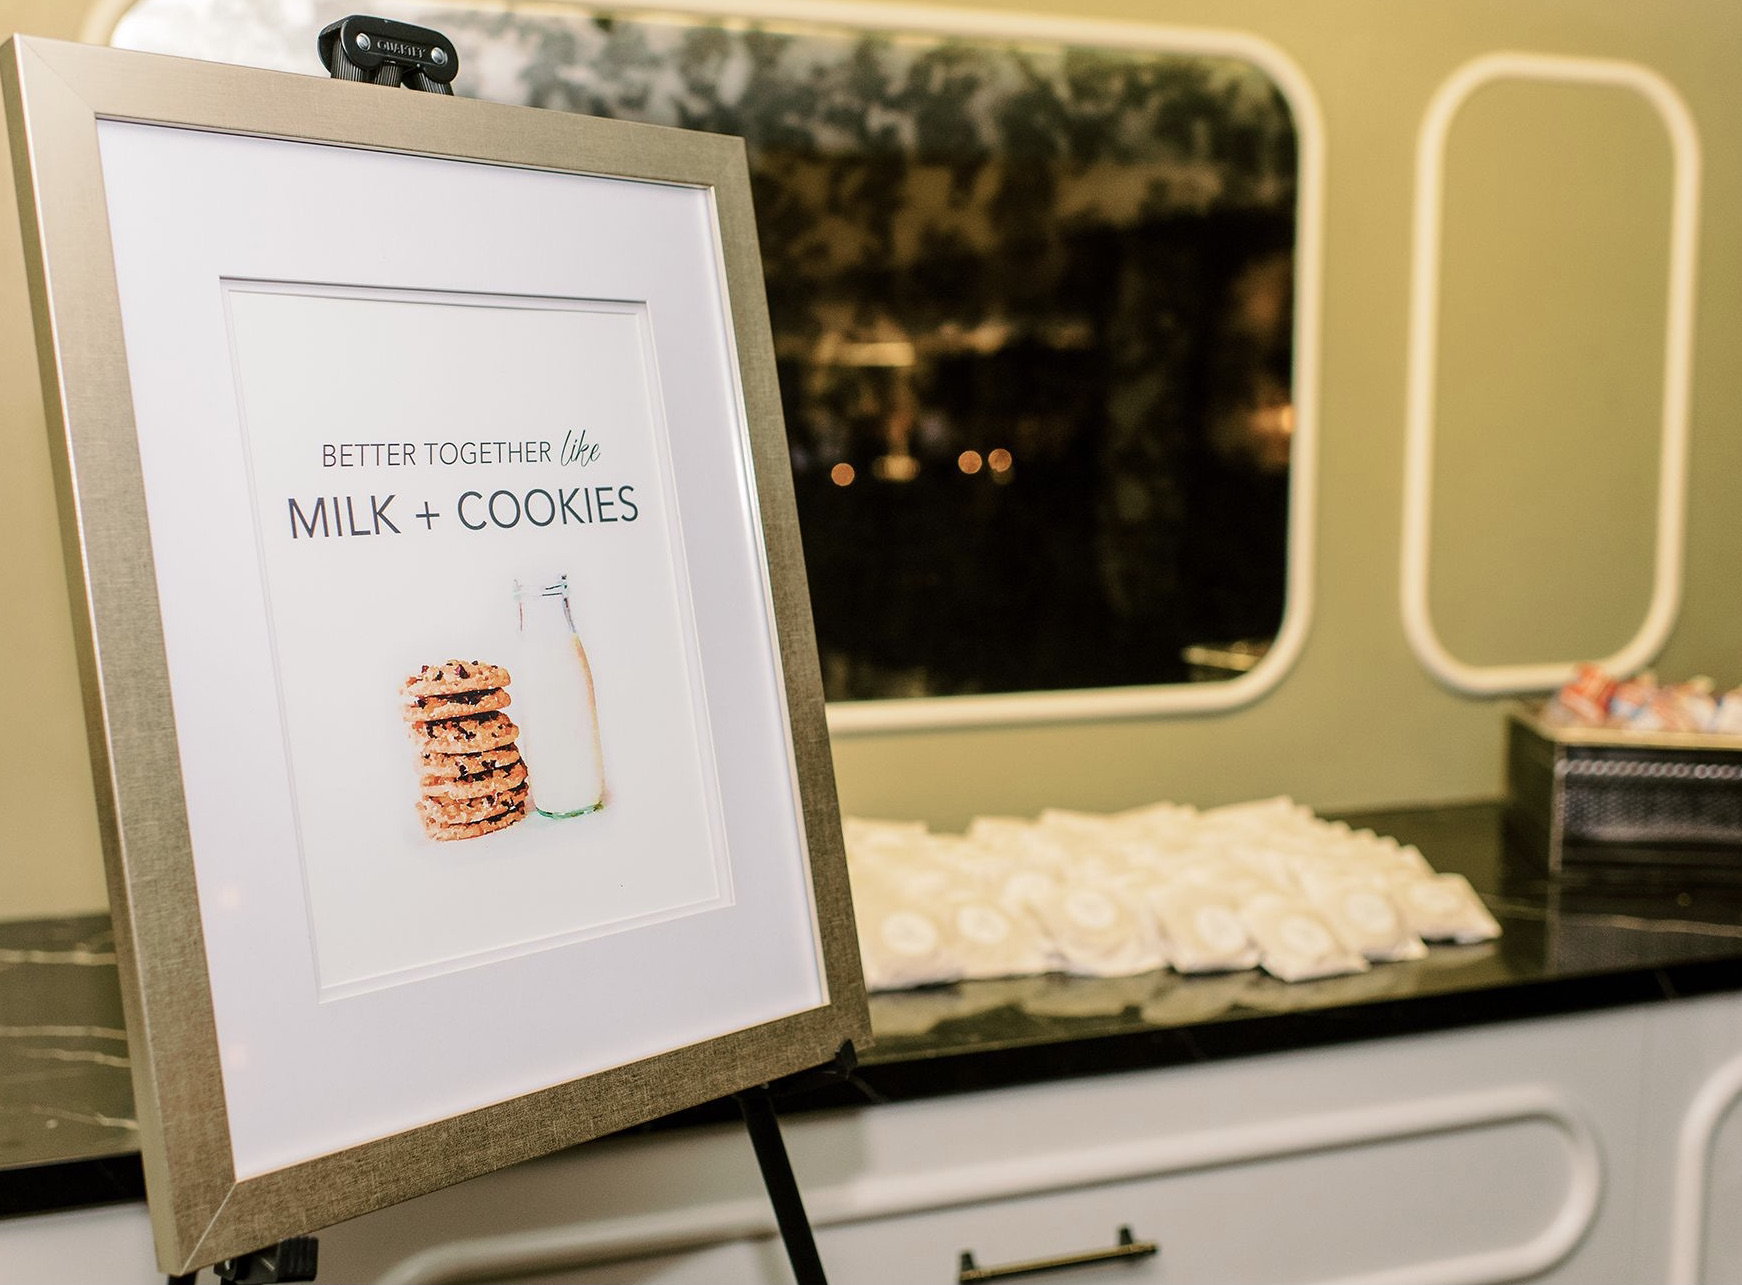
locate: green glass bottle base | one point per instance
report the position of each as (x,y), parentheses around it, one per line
(564,816)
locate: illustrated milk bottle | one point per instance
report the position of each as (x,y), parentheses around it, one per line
(555,706)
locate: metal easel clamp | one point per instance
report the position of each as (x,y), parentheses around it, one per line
(380,51)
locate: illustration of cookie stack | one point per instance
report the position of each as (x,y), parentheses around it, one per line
(471,778)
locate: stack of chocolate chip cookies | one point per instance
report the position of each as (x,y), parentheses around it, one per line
(471,778)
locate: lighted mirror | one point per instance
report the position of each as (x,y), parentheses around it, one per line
(1035,307)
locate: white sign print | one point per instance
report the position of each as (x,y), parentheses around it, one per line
(479,609)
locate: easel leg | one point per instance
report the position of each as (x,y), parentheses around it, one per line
(795,1229)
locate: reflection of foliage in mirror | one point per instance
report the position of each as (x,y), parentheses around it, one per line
(1033,312)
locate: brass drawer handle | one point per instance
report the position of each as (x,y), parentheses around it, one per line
(1126,1248)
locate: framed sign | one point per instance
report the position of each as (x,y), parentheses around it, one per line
(452,688)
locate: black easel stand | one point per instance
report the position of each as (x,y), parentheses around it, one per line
(795,1229)
(757,1106)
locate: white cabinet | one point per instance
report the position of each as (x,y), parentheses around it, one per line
(1569,1149)
(1496,1153)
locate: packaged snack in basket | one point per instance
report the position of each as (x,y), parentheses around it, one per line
(1654,716)
(1728,719)
(1584,701)
(1685,707)
(1697,703)
(1631,696)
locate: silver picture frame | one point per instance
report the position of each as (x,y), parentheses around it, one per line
(202,1212)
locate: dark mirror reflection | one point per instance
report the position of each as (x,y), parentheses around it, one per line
(1033,309)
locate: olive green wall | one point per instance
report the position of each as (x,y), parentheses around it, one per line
(1357,722)
(50,861)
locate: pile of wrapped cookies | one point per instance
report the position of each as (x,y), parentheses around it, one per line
(1596,698)
(1256,885)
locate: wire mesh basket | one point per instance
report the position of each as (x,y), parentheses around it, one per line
(1607,795)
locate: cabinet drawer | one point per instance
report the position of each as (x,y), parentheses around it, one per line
(1493,1185)
(1457,1197)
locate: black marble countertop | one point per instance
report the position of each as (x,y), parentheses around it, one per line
(67,1137)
